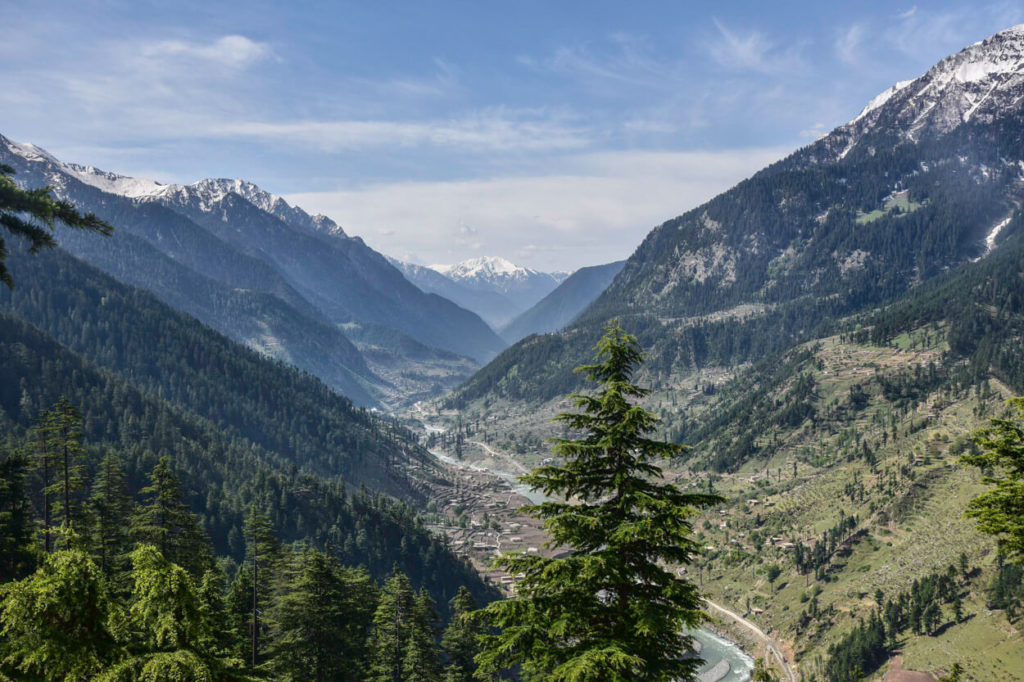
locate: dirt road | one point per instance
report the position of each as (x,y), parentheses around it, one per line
(769,643)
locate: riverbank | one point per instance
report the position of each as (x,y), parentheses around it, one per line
(483,490)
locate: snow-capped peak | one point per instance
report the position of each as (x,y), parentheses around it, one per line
(980,83)
(107,182)
(482,267)
(881,98)
(208,191)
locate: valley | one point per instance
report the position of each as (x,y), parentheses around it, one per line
(239,442)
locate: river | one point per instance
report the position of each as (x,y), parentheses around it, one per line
(724,660)
(718,651)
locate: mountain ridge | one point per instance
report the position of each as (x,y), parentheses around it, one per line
(825,232)
(217,238)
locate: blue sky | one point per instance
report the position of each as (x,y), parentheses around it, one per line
(556,134)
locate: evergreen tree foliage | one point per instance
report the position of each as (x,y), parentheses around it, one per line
(53,624)
(420,663)
(33,214)
(111,507)
(165,630)
(212,593)
(392,622)
(262,563)
(16,556)
(322,621)
(461,640)
(46,463)
(166,522)
(1000,511)
(62,460)
(613,609)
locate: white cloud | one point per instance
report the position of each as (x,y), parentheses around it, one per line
(849,43)
(815,131)
(233,51)
(752,52)
(595,208)
(487,131)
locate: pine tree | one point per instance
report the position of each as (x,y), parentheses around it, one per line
(613,610)
(322,620)
(391,624)
(215,613)
(420,663)
(32,215)
(165,629)
(1000,511)
(461,640)
(262,561)
(166,522)
(62,426)
(54,622)
(46,464)
(16,556)
(111,506)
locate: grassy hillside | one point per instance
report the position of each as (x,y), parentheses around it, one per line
(858,432)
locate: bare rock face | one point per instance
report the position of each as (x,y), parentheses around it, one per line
(981,83)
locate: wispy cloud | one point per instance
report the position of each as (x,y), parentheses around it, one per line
(622,59)
(848,45)
(231,51)
(752,51)
(594,208)
(487,131)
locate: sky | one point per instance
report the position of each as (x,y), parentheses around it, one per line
(556,134)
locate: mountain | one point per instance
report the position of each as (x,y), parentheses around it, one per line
(492,287)
(493,307)
(925,181)
(562,305)
(980,84)
(240,429)
(826,337)
(268,275)
(523,286)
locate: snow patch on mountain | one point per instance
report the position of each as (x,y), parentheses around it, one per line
(107,182)
(485,267)
(980,83)
(208,192)
(881,98)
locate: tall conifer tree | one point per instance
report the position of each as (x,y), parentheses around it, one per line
(62,430)
(614,610)
(16,526)
(111,506)
(391,624)
(1000,511)
(166,521)
(321,621)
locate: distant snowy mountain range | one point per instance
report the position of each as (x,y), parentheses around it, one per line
(494,288)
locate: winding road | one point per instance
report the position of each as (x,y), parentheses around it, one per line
(499,455)
(769,643)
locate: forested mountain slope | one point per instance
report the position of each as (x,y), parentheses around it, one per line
(562,305)
(129,332)
(854,221)
(240,429)
(266,274)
